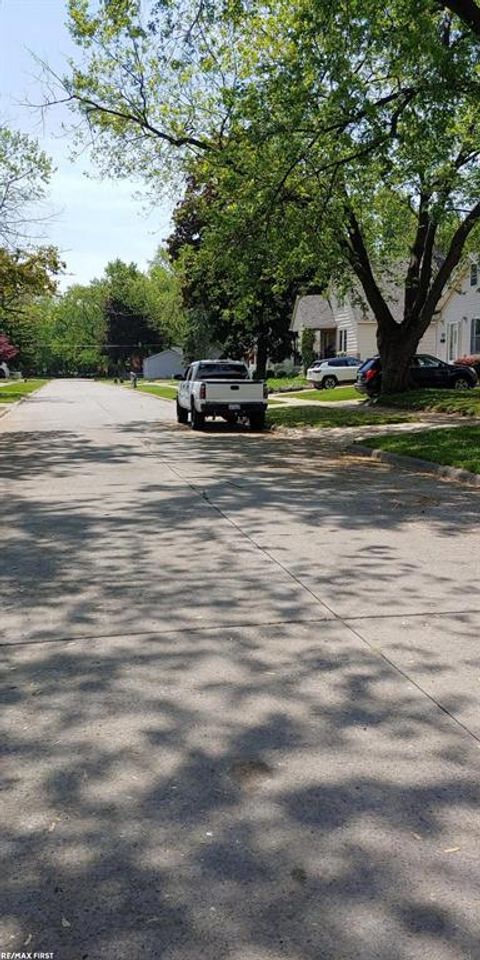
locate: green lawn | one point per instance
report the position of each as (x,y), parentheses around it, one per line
(16,389)
(168,393)
(454,446)
(464,402)
(275,383)
(324,396)
(318,416)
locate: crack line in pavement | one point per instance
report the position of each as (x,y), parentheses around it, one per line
(406,616)
(407,676)
(158,631)
(336,617)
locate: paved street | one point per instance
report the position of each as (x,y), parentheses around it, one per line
(241,691)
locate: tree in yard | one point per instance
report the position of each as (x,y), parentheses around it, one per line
(232,285)
(24,275)
(361,121)
(163,298)
(26,278)
(25,171)
(70,331)
(142,311)
(370,121)
(27,271)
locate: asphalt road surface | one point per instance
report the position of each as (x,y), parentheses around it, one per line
(241,693)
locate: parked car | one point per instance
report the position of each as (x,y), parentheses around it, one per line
(328,373)
(221,388)
(425,371)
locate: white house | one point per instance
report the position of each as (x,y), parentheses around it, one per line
(458,315)
(161,366)
(347,325)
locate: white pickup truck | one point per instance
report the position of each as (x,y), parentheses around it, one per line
(221,388)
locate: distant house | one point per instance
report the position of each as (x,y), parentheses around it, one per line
(347,325)
(315,313)
(161,366)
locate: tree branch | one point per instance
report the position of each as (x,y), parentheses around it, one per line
(417,254)
(468,11)
(360,262)
(426,269)
(91,106)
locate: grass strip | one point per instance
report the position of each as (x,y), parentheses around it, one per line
(463,402)
(326,396)
(319,416)
(452,446)
(166,393)
(11,392)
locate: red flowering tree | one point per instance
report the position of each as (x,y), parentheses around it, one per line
(7,349)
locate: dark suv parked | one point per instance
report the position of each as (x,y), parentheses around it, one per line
(425,371)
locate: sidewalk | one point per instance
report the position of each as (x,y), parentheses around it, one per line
(297,402)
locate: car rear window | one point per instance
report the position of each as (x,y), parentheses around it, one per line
(222,371)
(371,362)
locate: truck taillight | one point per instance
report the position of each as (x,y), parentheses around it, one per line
(265,390)
(370,374)
(203,391)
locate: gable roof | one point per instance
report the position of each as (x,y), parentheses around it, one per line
(312,312)
(163,353)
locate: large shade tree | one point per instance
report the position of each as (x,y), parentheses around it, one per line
(28,269)
(232,284)
(362,118)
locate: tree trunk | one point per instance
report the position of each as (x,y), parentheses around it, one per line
(262,356)
(396,352)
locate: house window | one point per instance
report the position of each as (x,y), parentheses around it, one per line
(473,274)
(475,335)
(342,341)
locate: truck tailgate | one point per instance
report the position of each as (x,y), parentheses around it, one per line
(234,391)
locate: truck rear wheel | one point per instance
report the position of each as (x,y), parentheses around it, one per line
(197,419)
(182,414)
(257,421)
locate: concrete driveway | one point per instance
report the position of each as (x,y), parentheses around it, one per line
(241,692)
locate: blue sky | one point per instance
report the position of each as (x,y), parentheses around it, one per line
(93,221)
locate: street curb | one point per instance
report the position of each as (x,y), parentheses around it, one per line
(16,403)
(10,407)
(416,465)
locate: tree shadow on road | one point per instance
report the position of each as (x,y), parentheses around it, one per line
(230,772)
(252,794)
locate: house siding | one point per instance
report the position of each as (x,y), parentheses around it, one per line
(461,307)
(168,363)
(367,340)
(428,343)
(345,320)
